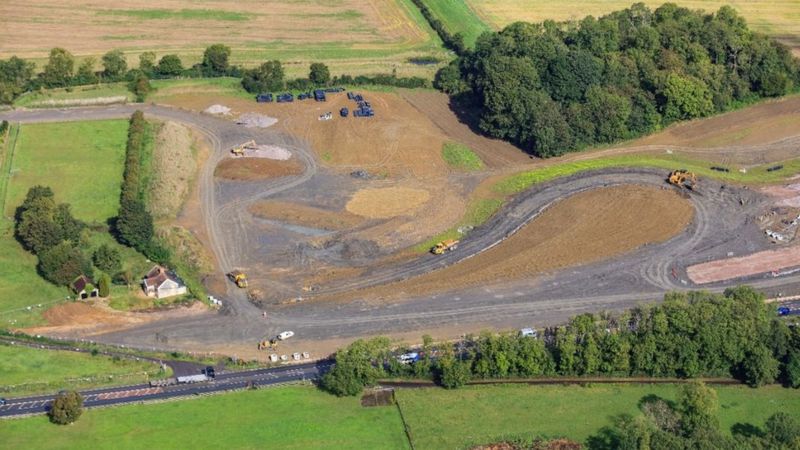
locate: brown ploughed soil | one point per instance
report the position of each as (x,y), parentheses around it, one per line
(730,268)
(307,216)
(250,169)
(586,227)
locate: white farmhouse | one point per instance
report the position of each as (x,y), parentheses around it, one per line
(161,283)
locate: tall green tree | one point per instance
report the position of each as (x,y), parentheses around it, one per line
(170,65)
(267,77)
(319,74)
(114,65)
(66,408)
(86,73)
(215,59)
(147,62)
(107,259)
(60,68)
(63,263)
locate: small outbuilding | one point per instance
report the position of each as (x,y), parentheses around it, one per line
(161,283)
(83,288)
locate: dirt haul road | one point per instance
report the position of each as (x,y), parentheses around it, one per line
(720,228)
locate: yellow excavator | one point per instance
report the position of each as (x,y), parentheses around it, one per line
(239,149)
(445,246)
(238,277)
(683,178)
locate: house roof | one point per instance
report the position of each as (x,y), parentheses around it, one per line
(158,275)
(80,283)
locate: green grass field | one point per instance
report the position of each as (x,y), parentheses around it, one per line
(439,419)
(81,161)
(459,17)
(461,157)
(78,93)
(279,418)
(306,418)
(29,371)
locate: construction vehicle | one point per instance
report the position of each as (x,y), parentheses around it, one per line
(271,344)
(445,246)
(238,277)
(683,178)
(239,149)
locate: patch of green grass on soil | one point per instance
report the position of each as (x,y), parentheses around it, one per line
(81,161)
(31,371)
(520,182)
(461,157)
(179,14)
(36,98)
(458,17)
(437,418)
(285,418)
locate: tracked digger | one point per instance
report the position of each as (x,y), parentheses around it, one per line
(239,149)
(238,277)
(684,179)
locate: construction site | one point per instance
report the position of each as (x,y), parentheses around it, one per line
(336,225)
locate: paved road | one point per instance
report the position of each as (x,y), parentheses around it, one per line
(138,393)
(722,226)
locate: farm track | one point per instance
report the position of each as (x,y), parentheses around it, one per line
(720,227)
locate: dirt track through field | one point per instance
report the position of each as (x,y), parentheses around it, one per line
(757,263)
(250,169)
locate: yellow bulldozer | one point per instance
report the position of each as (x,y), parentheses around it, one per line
(239,149)
(683,178)
(445,246)
(238,277)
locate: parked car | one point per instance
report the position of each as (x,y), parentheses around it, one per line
(210,372)
(285,335)
(528,332)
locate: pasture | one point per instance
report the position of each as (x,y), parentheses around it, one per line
(778,18)
(352,36)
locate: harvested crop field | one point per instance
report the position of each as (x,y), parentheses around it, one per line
(777,18)
(587,227)
(384,203)
(250,169)
(372,35)
(307,216)
(730,268)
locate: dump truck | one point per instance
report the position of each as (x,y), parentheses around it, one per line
(444,246)
(238,277)
(683,178)
(239,149)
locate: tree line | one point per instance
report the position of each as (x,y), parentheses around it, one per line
(695,334)
(134,224)
(554,87)
(18,76)
(454,42)
(48,230)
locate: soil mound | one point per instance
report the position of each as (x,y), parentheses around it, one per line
(217,109)
(250,169)
(384,203)
(254,120)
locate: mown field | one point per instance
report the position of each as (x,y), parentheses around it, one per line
(779,18)
(279,418)
(83,163)
(306,418)
(352,36)
(459,16)
(439,419)
(29,371)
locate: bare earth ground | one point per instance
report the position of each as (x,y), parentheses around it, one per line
(250,169)
(305,215)
(732,268)
(589,226)
(357,34)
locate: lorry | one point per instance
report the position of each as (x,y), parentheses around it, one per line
(445,246)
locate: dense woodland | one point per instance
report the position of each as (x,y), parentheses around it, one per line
(696,334)
(552,88)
